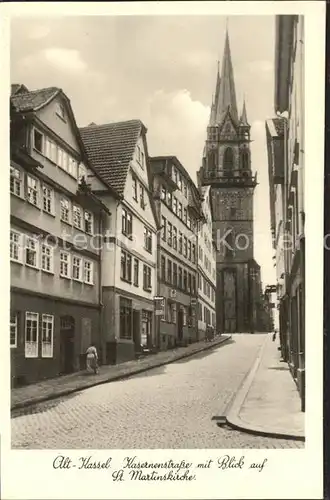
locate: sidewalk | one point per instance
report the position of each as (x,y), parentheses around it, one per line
(268,402)
(61,386)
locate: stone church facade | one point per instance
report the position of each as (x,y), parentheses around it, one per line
(227,169)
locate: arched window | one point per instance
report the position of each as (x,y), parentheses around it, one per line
(244,159)
(228,160)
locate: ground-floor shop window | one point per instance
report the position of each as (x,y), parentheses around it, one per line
(125,318)
(13,329)
(146,328)
(31,334)
(47,336)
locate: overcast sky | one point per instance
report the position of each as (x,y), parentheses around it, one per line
(161,70)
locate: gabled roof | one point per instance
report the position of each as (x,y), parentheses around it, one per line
(32,100)
(23,101)
(110,148)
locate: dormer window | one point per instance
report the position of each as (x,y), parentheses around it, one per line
(60,111)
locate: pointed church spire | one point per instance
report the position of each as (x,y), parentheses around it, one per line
(243,119)
(227,93)
(215,99)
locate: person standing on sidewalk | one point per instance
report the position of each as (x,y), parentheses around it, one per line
(92,360)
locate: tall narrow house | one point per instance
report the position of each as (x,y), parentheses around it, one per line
(54,247)
(118,152)
(227,170)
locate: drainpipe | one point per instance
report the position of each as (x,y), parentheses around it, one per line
(102,343)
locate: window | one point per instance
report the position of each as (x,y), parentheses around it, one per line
(146,277)
(77,217)
(193,253)
(31,252)
(169,271)
(148,239)
(38,141)
(82,172)
(65,210)
(162,267)
(175,274)
(126,266)
(180,211)
(60,110)
(199,281)
(193,285)
(31,334)
(15,181)
(169,199)
(47,199)
(180,278)
(169,237)
(15,246)
(47,258)
(180,242)
(189,249)
(13,329)
(180,182)
(185,283)
(185,215)
(65,265)
(32,190)
(73,168)
(189,282)
(127,227)
(88,272)
(185,190)
(175,238)
(188,222)
(77,268)
(125,309)
(163,194)
(136,273)
(47,335)
(163,228)
(175,205)
(134,189)
(142,203)
(185,243)
(228,160)
(175,175)
(88,220)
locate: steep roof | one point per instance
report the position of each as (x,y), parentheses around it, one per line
(226,86)
(110,149)
(32,100)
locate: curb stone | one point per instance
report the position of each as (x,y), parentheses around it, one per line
(233,418)
(116,377)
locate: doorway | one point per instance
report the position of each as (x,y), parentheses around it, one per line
(67,331)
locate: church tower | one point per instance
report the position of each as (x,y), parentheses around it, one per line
(227,169)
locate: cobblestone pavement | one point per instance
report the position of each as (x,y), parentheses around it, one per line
(167,407)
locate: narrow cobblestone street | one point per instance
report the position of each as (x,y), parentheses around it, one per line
(167,407)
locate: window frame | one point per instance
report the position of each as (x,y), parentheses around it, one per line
(17,181)
(91,222)
(49,257)
(76,209)
(69,210)
(68,264)
(73,266)
(19,246)
(30,239)
(15,325)
(136,271)
(44,320)
(147,239)
(90,270)
(35,190)
(35,343)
